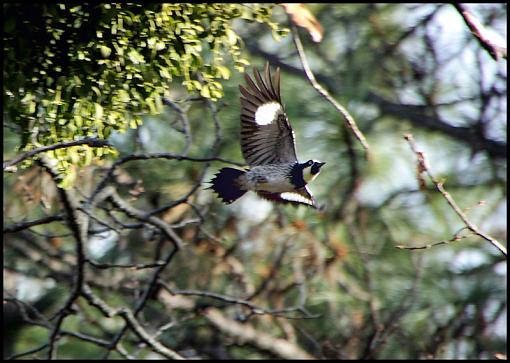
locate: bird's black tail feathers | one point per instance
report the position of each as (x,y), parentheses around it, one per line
(224,183)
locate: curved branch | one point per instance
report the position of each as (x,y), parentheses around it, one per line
(94,142)
(24,225)
(439,186)
(111,194)
(247,334)
(311,78)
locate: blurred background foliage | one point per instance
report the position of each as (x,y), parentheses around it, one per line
(99,70)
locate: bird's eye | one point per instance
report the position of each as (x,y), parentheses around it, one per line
(309,162)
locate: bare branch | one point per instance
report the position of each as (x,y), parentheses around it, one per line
(478,30)
(130,319)
(104,266)
(142,301)
(111,193)
(131,322)
(255,310)
(168,156)
(417,116)
(439,186)
(185,123)
(79,228)
(456,237)
(24,225)
(351,124)
(245,333)
(28,352)
(272,273)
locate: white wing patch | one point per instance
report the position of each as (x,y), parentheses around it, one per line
(267,113)
(295,197)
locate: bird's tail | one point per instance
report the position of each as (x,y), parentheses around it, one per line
(225,184)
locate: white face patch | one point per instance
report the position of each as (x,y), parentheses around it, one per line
(267,113)
(308,176)
(307,173)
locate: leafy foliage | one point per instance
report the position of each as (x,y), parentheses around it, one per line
(74,71)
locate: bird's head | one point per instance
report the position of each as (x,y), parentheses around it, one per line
(311,169)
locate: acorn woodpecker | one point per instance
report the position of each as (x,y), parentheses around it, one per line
(268,146)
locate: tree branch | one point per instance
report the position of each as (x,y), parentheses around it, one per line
(439,186)
(477,29)
(255,310)
(245,333)
(94,142)
(349,121)
(79,229)
(24,225)
(416,115)
(111,193)
(131,322)
(457,237)
(130,319)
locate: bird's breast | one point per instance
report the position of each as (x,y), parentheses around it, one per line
(270,178)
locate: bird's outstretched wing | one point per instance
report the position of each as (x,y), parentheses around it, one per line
(266,134)
(299,196)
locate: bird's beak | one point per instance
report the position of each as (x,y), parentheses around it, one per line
(321,164)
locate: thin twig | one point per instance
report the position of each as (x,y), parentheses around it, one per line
(142,216)
(272,273)
(439,186)
(255,310)
(130,319)
(148,156)
(456,237)
(185,123)
(214,156)
(349,120)
(24,225)
(480,33)
(30,351)
(104,266)
(142,301)
(131,322)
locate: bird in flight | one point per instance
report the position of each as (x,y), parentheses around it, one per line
(268,146)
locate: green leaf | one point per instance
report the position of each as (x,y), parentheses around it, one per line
(105,51)
(98,111)
(123,95)
(205,92)
(224,71)
(231,36)
(135,57)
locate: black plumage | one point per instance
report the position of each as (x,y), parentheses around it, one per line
(296,175)
(272,142)
(268,146)
(225,185)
